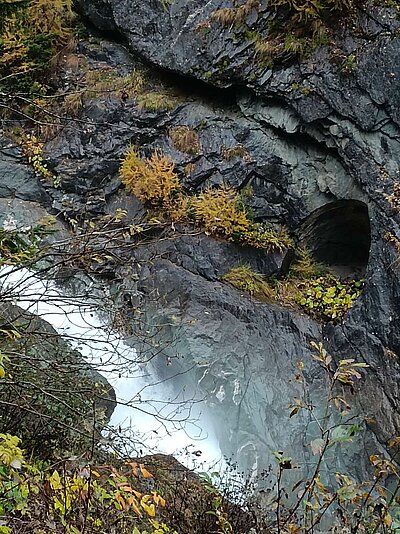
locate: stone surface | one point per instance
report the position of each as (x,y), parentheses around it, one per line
(294,165)
(311,135)
(16,178)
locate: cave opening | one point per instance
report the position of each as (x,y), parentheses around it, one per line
(339,236)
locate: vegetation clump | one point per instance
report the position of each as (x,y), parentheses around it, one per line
(394,197)
(75,497)
(185,139)
(308,285)
(237,151)
(152,180)
(217,211)
(244,278)
(31,31)
(295,28)
(156,101)
(98,83)
(327,297)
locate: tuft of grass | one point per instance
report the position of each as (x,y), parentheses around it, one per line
(235,16)
(244,278)
(155,101)
(237,151)
(305,266)
(100,83)
(185,139)
(266,50)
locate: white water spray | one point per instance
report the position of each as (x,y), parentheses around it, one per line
(150,407)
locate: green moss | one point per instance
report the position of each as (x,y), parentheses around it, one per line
(349,65)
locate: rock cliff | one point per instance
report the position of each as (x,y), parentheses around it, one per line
(320,148)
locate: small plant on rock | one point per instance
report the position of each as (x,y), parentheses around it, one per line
(185,139)
(152,180)
(261,236)
(30,34)
(246,279)
(154,101)
(327,297)
(219,212)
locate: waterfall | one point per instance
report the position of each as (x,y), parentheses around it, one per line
(159,415)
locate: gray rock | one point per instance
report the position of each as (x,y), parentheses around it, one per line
(16,178)
(312,136)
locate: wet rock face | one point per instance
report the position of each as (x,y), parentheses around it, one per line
(16,179)
(314,134)
(310,137)
(300,153)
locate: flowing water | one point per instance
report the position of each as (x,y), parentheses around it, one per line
(160,416)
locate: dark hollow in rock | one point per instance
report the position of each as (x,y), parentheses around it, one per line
(339,235)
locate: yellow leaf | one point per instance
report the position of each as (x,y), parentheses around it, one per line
(55,481)
(2,372)
(150,509)
(144,472)
(388,520)
(132,502)
(158,499)
(120,500)
(128,489)
(133,466)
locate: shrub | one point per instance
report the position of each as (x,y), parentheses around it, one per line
(319,293)
(235,16)
(237,151)
(30,33)
(394,197)
(71,497)
(245,279)
(153,180)
(222,212)
(49,395)
(261,236)
(219,212)
(327,297)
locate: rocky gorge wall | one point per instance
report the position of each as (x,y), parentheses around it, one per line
(311,136)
